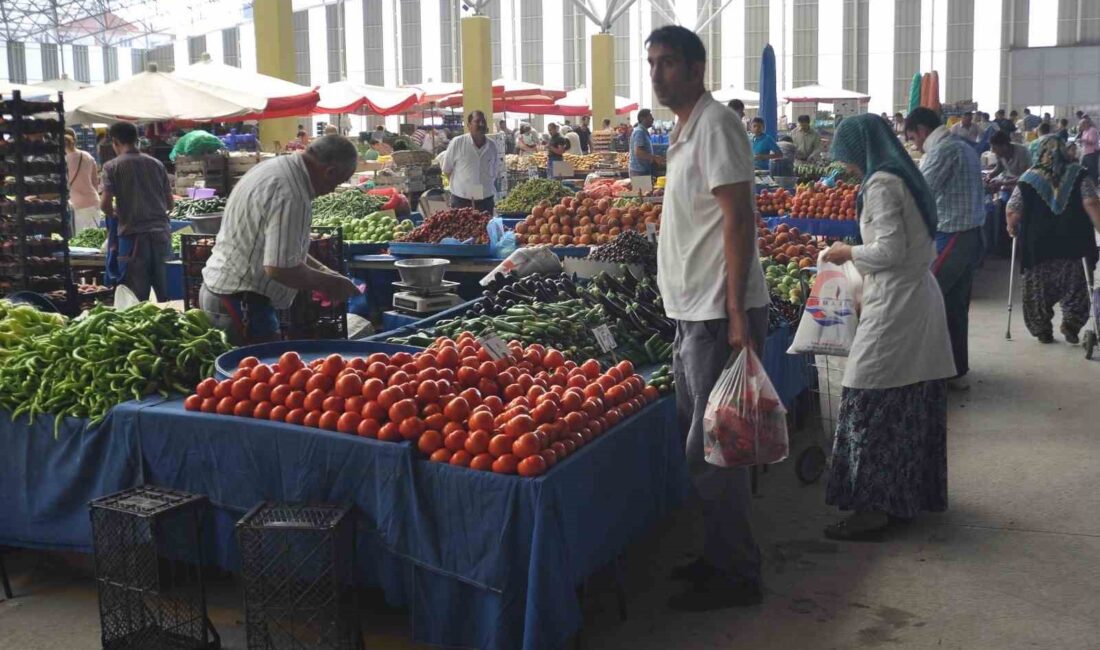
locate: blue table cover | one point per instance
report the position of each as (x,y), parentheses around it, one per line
(488,561)
(821,227)
(46,482)
(786,371)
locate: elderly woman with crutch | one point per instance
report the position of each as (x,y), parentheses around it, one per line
(1049,216)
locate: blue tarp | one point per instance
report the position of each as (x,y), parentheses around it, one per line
(481,560)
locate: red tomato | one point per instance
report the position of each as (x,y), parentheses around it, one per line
(457,410)
(427,392)
(477,442)
(495,404)
(241,388)
(526,445)
(332,365)
(289,362)
(441,456)
(435,420)
(532,466)
(263,410)
(389,397)
(506,464)
(373,411)
(593,406)
(398,378)
(553,359)
(447,358)
(329,419)
(591,368)
(430,441)
(248,362)
(260,392)
(299,378)
(482,462)
(377,370)
(401,410)
(372,388)
(209,405)
(348,422)
(411,428)
(427,374)
(501,444)
(296,416)
(461,458)
(225,406)
(354,404)
(192,403)
(401,358)
(295,400)
(279,394)
(651,393)
(480,420)
(314,401)
(570,446)
(456,440)
(545,412)
(368,428)
(278,413)
(312,419)
(206,387)
(243,408)
(349,385)
(378,357)
(320,382)
(358,364)
(519,425)
(261,373)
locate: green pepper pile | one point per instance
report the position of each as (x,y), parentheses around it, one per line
(350,204)
(21,322)
(185,208)
(89,238)
(105,357)
(528,194)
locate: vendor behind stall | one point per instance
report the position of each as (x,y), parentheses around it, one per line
(136,200)
(472,163)
(261,257)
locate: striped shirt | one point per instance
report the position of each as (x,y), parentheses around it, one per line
(954,175)
(266,223)
(140,186)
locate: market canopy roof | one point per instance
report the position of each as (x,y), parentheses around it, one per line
(575,103)
(822,94)
(725,95)
(355,97)
(282,98)
(512,89)
(64,84)
(433,91)
(158,96)
(26,92)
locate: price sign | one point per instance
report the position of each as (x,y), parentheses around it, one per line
(604,339)
(651,231)
(496,348)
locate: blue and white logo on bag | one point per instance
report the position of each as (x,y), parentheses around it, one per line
(828,310)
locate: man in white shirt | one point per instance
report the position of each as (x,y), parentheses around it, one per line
(471,164)
(261,257)
(807,142)
(966,128)
(712,285)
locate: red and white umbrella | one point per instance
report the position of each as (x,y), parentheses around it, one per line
(283,98)
(512,89)
(575,103)
(354,97)
(433,91)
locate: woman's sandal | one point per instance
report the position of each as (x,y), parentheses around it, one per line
(843,532)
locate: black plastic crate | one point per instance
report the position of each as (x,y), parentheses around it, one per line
(148,569)
(296,563)
(195,250)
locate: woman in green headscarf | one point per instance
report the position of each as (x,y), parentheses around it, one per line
(1049,214)
(890,453)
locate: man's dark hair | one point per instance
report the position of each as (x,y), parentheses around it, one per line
(1080,114)
(897,115)
(681,39)
(123,132)
(999,138)
(559,140)
(607,121)
(473,114)
(1000,112)
(645,112)
(758,120)
(1013,114)
(1063,122)
(737,105)
(1027,111)
(333,149)
(922,116)
(1044,128)
(803,119)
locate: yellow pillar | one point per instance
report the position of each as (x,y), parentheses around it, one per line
(477,66)
(273,20)
(601,91)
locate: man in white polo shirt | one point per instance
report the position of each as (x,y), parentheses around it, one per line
(261,257)
(713,287)
(471,164)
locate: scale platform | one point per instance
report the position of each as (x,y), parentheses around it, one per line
(445,286)
(418,303)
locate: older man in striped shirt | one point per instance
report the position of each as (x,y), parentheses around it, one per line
(953,172)
(261,258)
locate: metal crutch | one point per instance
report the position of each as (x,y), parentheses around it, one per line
(1011,276)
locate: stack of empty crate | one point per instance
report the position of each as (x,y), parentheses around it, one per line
(240,162)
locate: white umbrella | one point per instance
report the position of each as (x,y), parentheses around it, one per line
(26,92)
(352,97)
(64,84)
(433,91)
(726,95)
(823,94)
(159,97)
(283,98)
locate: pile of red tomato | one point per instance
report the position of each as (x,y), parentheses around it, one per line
(518,415)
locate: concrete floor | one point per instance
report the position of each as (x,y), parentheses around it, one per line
(1014,563)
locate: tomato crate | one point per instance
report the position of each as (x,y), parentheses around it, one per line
(148,570)
(296,566)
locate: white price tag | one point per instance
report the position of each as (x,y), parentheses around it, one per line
(651,231)
(496,348)
(604,339)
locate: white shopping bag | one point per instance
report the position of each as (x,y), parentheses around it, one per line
(829,320)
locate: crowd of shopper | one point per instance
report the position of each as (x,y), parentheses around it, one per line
(921,234)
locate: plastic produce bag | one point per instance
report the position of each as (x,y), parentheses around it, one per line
(829,321)
(745,423)
(196,143)
(525,261)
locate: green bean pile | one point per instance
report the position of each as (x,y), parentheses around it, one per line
(20,322)
(106,357)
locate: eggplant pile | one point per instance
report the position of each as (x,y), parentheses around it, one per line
(559,311)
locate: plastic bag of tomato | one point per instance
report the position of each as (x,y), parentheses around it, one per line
(521,414)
